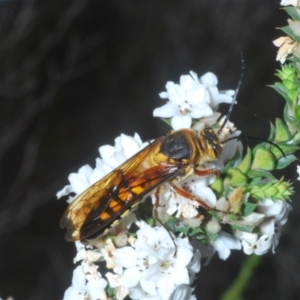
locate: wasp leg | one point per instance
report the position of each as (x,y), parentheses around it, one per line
(206,172)
(188,195)
(155,216)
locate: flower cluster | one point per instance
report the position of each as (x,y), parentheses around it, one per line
(193,98)
(247,206)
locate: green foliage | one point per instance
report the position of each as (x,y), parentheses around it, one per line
(293,12)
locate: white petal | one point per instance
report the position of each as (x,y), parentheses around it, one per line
(180,122)
(136,293)
(166,111)
(194,76)
(187,82)
(165,287)
(184,252)
(113,279)
(164,95)
(267,227)
(225,243)
(182,292)
(209,78)
(148,286)
(126,256)
(130,277)
(138,139)
(195,266)
(80,181)
(96,289)
(78,279)
(129,145)
(65,191)
(214,94)
(201,110)
(176,93)
(222,98)
(72,294)
(197,95)
(206,194)
(180,275)
(227,92)
(96,176)
(107,151)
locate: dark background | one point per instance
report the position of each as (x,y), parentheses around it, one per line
(75,74)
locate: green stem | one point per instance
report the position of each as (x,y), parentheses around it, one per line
(235,291)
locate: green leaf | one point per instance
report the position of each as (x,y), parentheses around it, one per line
(297,112)
(234,161)
(296,138)
(233,217)
(235,177)
(288,83)
(283,162)
(255,181)
(214,214)
(245,165)
(248,208)
(195,231)
(260,174)
(293,94)
(279,88)
(257,193)
(293,12)
(272,133)
(171,225)
(282,134)
(245,228)
(289,32)
(286,149)
(217,186)
(212,236)
(279,190)
(263,160)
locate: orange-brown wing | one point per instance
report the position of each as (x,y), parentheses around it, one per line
(101,204)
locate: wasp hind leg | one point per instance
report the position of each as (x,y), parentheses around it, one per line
(207,172)
(188,195)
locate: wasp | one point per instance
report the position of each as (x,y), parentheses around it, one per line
(166,159)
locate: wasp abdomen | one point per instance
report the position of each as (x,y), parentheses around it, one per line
(176,146)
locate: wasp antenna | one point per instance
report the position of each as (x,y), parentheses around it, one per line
(256,138)
(235,95)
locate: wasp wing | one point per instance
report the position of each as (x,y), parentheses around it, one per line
(108,199)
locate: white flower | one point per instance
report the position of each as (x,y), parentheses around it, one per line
(254,243)
(185,207)
(210,80)
(86,255)
(286,46)
(152,267)
(275,213)
(111,157)
(231,147)
(295,3)
(298,171)
(80,288)
(225,243)
(192,98)
(183,292)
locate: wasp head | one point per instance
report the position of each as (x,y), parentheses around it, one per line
(212,140)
